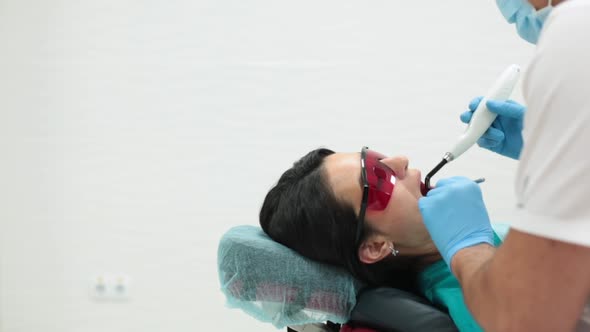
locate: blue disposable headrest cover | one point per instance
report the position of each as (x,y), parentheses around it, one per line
(275,284)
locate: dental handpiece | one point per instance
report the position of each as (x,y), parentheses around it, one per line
(481,120)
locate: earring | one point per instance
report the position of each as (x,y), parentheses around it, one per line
(394,252)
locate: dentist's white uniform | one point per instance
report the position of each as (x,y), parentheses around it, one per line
(553,179)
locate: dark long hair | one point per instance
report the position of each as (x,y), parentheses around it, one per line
(302,212)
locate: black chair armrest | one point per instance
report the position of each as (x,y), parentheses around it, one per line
(390,309)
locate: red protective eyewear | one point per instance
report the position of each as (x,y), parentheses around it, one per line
(378,182)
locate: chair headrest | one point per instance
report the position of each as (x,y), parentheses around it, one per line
(275,284)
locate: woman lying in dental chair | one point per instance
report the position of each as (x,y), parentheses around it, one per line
(360,212)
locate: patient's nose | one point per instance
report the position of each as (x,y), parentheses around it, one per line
(399,165)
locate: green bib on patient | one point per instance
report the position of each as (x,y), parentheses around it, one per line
(440,286)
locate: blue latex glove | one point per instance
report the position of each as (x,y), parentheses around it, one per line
(455,216)
(505,134)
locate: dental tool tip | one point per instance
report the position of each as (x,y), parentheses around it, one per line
(479,180)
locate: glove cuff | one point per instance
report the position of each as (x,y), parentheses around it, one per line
(470,242)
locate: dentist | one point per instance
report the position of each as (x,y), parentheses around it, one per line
(539,279)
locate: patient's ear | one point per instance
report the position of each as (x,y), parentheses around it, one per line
(374,249)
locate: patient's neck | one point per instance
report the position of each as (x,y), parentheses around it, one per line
(428,252)
(426,248)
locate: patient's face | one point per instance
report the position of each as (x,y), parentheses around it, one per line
(401,220)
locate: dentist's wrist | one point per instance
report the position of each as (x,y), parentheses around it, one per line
(467,243)
(468,260)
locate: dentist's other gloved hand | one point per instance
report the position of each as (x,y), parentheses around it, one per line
(455,216)
(505,134)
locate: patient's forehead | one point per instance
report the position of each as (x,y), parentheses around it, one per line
(343,175)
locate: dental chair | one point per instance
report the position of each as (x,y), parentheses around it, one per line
(274,284)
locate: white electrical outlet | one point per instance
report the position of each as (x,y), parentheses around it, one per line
(110,287)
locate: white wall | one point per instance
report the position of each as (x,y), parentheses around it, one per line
(134,133)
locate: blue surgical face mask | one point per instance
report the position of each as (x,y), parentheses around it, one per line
(529,21)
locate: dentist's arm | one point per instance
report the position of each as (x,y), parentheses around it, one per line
(529,284)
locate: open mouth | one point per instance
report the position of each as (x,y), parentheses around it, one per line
(423,189)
